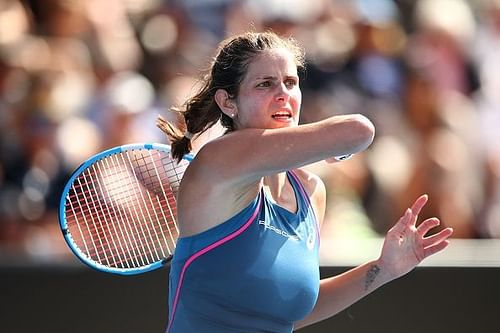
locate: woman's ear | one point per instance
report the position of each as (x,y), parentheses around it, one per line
(225,103)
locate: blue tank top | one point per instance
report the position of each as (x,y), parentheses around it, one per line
(256,272)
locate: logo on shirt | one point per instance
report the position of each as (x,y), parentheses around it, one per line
(283,233)
(311,238)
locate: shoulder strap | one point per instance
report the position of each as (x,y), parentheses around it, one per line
(297,185)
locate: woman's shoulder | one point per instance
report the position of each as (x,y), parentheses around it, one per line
(309,180)
(313,185)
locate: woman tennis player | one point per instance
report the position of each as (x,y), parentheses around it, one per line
(250,216)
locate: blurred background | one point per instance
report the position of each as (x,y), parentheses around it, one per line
(77,77)
(81,76)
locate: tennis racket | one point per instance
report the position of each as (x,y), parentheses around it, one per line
(118,209)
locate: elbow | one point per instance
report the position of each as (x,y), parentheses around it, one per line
(363,131)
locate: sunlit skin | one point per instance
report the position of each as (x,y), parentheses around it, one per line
(271,84)
(269,96)
(230,171)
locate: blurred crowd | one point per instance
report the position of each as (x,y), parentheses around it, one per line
(80,76)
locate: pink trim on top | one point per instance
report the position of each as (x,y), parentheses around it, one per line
(205,250)
(306,196)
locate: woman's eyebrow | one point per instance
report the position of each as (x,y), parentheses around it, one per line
(274,77)
(266,78)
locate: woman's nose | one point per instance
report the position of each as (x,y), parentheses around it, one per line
(282,92)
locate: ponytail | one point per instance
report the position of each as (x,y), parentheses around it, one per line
(199,114)
(179,143)
(228,70)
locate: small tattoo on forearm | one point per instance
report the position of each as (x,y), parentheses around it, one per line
(371,274)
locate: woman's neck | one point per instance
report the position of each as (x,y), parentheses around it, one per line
(279,189)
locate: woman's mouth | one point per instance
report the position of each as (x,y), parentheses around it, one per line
(282,115)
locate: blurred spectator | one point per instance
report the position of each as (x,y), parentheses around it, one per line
(486,51)
(80,76)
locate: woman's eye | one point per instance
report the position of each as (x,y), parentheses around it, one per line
(264,84)
(291,83)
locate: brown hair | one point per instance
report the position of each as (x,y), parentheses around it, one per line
(228,70)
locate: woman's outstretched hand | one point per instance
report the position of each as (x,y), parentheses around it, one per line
(406,244)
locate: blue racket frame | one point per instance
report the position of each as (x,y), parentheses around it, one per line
(62,209)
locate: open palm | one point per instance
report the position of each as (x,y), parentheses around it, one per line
(406,244)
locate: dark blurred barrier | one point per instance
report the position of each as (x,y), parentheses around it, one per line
(78,300)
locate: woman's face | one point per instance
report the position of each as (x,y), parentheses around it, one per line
(269,96)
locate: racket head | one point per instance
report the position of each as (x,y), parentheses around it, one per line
(117,211)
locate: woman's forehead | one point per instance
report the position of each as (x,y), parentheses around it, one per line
(273,60)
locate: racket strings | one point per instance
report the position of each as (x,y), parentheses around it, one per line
(152,236)
(108,231)
(121,211)
(104,229)
(125,227)
(110,214)
(152,200)
(132,242)
(125,195)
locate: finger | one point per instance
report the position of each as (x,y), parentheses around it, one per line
(435,248)
(437,238)
(419,204)
(427,225)
(406,218)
